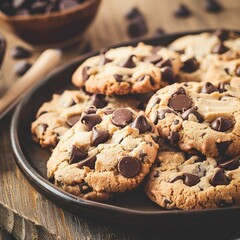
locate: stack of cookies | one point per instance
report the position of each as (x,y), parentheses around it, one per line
(163,117)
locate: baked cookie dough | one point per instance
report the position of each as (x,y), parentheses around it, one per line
(198,117)
(106,151)
(182,181)
(126,70)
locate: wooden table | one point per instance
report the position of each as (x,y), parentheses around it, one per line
(24,212)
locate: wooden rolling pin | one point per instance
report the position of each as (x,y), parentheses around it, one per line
(46,62)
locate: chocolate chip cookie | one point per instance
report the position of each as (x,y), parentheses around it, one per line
(127,70)
(183,181)
(106,152)
(198,117)
(55,117)
(213,57)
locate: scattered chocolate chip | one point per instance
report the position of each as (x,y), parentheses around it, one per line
(208,88)
(222,34)
(98,101)
(193,111)
(22,67)
(182,51)
(190,179)
(2,48)
(85,75)
(142,124)
(73,119)
(212,6)
(19,52)
(118,78)
(219,178)
(89,162)
(41,128)
(159,31)
(137,27)
(180,102)
(133,13)
(84,188)
(129,167)
(195,152)
(176,122)
(177,178)
(162,113)
(104,60)
(230,164)
(99,136)
(128,63)
(77,155)
(222,87)
(182,11)
(90,120)
(174,138)
(121,117)
(220,48)
(167,75)
(179,91)
(153,59)
(221,124)
(237,71)
(190,65)
(223,147)
(90,110)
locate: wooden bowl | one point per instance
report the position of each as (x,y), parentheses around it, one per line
(55,27)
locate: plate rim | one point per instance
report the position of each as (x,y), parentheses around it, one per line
(47,189)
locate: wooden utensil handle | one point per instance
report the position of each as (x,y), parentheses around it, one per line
(46,62)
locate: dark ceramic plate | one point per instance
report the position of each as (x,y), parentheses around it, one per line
(129,208)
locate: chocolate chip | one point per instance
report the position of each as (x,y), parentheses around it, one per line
(153,59)
(212,6)
(180,102)
(208,88)
(190,65)
(99,136)
(165,63)
(162,113)
(84,188)
(151,80)
(98,101)
(193,111)
(179,91)
(142,124)
(121,117)
(133,13)
(221,124)
(159,31)
(223,147)
(222,34)
(137,27)
(182,11)
(237,71)
(73,119)
(129,167)
(176,122)
(104,60)
(129,63)
(177,178)
(22,67)
(156,174)
(219,178)
(2,48)
(90,120)
(90,110)
(118,78)
(230,164)
(222,87)
(41,128)
(174,138)
(89,162)
(220,48)
(85,75)
(77,155)
(19,52)
(190,179)
(167,75)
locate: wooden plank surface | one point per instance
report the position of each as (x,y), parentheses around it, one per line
(26,213)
